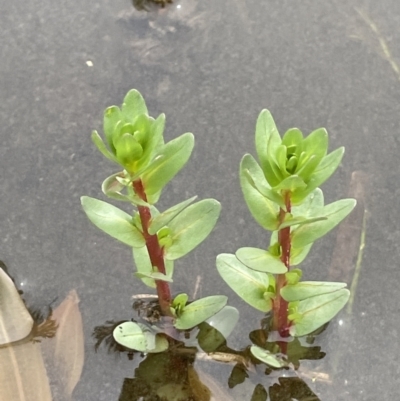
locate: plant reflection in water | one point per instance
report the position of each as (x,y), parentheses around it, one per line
(176,374)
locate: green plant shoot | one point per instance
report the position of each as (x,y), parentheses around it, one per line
(283,195)
(135,142)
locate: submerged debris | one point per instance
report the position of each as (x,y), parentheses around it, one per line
(147,5)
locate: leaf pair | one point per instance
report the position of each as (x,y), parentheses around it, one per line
(252,286)
(143,338)
(188,226)
(316,303)
(313,303)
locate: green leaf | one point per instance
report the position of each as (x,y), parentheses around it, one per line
(144,268)
(292,139)
(141,128)
(154,276)
(291,184)
(273,173)
(214,331)
(249,284)
(261,260)
(293,276)
(154,141)
(143,265)
(325,169)
(180,301)
(297,255)
(133,105)
(318,310)
(307,289)
(112,116)
(128,150)
(173,157)
(334,212)
(112,187)
(192,226)
(138,337)
(315,146)
(280,158)
(164,218)
(263,355)
(264,211)
(112,221)
(199,311)
(255,176)
(96,139)
(267,140)
(290,221)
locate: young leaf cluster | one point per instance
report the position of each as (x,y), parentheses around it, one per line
(283,195)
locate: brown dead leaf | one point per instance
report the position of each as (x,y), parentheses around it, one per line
(65,352)
(15,321)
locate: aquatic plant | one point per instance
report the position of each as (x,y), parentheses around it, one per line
(283,195)
(135,142)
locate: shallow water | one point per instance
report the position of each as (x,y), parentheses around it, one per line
(211,66)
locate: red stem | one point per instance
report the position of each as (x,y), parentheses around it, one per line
(154,249)
(280,307)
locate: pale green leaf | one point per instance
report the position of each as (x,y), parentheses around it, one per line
(255,176)
(225,320)
(292,139)
(133,105)
(96,139)
(318,310)
(112,188)
(315,146)
(297,255)
(310,206)
(137,337)
(143,265)
(112,221)
(154,142)
(260,260)
(325,169)
(154,276)
(267,140)
(264,211)
(280,158)
(263,355)
(334,213)
(249,284)
(144,268)
(290,221)
(165,217)
(199,311)
(172,157)
(180,301)
(307,289)
(192,226)
(291,184)
(112,118)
